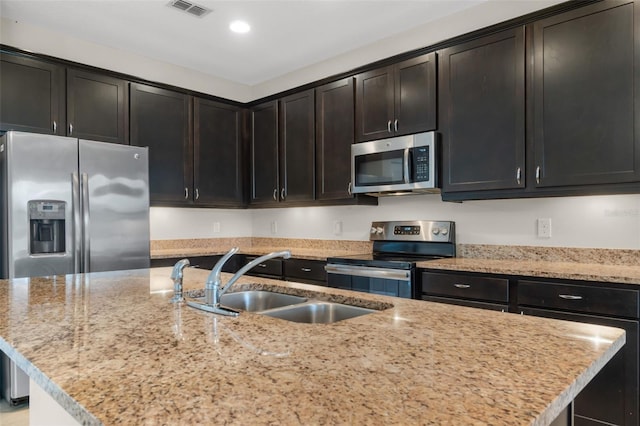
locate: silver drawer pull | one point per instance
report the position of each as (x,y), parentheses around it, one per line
(462,285)
(305,269)
(570,297)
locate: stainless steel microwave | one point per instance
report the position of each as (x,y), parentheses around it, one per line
(395,165)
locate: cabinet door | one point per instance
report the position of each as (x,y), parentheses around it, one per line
(97,107)
(31,95)
(334,136)
(374,104)
(297,147)
(264,154)
(586,96)
(482,111)
(161,120)
(612,396)
(415,95)
(217,154)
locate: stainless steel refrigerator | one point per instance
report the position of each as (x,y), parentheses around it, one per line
(71,206)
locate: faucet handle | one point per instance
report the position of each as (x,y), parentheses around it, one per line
(176,273)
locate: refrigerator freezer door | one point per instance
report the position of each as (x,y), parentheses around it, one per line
(38,167)
(115,206)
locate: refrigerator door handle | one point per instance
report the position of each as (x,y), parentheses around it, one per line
(86,248)
(77,224)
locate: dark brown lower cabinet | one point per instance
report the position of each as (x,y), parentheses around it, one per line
(305,271)
(484,292)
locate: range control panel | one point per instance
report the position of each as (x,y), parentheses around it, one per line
(413,230)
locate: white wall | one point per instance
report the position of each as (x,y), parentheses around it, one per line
(44,41)
(483,15)
(599,222)
(184,223)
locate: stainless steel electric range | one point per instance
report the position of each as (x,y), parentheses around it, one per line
(390,268)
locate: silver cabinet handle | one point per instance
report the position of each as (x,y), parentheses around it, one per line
(569,297)
(349,189)
(70,129)
(275,194)
(538,174)
(395,125)
(197,193)
(389,126)
(519,175)
(55,126)
(282,194)
(462,285)
(186,193)
(305,269)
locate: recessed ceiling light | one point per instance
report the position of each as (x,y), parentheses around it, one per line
(239,27)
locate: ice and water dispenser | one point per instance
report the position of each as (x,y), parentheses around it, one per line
(46,226)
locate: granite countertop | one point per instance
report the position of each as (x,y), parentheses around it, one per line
(625,274)
(299,253)
(111,349)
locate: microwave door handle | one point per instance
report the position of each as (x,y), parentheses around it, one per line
(405,170)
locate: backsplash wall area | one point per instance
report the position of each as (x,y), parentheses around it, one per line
(592,222)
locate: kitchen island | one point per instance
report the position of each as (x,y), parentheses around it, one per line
(110,349)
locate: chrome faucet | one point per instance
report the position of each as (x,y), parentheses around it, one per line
(214,289)
(176,276)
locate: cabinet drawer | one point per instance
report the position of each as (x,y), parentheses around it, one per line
(466,286)
(271,267)
(581,298)
(305,269)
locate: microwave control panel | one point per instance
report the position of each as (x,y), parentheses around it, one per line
(421,164)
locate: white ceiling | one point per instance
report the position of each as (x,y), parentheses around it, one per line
(286,35)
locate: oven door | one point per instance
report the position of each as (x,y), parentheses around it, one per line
(388,282)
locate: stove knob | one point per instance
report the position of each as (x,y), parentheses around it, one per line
(373,230)
(379,230)
(435,231)
(444,231)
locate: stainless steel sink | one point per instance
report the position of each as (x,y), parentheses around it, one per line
(254,301)
(318,312)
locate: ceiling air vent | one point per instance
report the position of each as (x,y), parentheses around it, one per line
(190,8)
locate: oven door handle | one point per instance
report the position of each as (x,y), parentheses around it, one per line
(370,272)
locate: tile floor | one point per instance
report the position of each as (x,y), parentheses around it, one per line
(13,416)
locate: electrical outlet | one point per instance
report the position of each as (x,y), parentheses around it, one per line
(274,227)
(216,227)
(544,228)
(337,227)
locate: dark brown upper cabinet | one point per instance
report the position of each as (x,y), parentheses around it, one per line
(218,154)
(396,100)
(334,136)
(282,150)
(482,113)
(585,96)
(97,107)
(161,119)
(297,147)
(264,154)
(32,95)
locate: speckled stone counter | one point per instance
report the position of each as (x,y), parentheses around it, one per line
(111,349)
(624,274)
(300,248)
